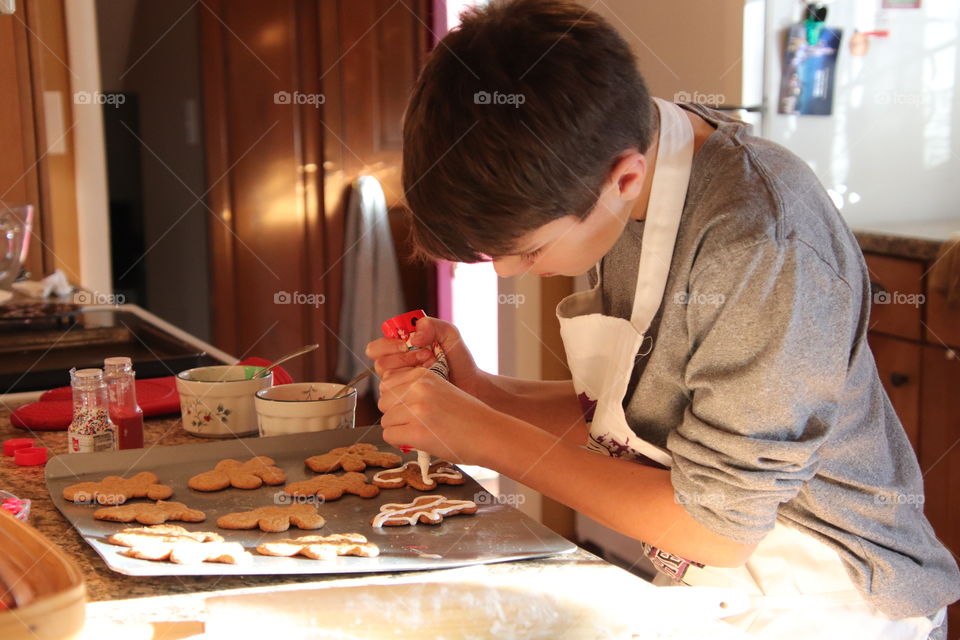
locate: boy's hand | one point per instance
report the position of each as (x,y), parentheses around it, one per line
(424,411)
(391,353)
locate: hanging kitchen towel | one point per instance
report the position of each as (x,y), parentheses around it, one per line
(371,279)
(945,272)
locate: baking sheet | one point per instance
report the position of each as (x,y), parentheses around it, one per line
(496,533)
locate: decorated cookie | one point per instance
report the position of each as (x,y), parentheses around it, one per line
(150,513)
(409,475)
(179,547)
(251,474)
(424,509)
(117,490)
(272,519)
(353,458)
(321,547)
(331,487)
(161,533)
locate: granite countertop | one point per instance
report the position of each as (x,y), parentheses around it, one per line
(114,598)
(915,239)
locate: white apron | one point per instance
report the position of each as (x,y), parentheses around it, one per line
(797,585)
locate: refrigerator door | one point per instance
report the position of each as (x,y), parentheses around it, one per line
(885,153)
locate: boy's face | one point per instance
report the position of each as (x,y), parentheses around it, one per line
(570,246)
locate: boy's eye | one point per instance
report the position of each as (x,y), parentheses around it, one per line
(533,255)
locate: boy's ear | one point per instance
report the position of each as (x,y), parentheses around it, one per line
(629,173)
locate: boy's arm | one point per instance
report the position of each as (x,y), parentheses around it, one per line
(551,405)
(631,498)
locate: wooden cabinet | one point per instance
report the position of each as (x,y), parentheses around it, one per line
(898,363)
(915,339)
(301,97)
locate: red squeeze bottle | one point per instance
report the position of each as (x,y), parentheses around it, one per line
(125,413)
(402,327)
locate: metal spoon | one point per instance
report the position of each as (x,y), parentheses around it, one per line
(357,378)
(289,356)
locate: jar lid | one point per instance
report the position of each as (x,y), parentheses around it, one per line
(86,379)
(117,364)
(30,456)
(11,445)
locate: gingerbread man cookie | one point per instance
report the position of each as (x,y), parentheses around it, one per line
(146,513)
(410,475)
(272,519)
(149,543)
(425,509)
(332,487)
(160,533)
(321,547)
(117,490)
(251,474)
(353,458)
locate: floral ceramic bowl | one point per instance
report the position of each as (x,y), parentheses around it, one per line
(217,402)
(304,406)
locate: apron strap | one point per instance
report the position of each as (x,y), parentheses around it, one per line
(669,192)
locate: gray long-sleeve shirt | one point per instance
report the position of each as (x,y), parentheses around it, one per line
(761,383)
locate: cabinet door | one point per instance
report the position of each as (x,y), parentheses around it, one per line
(897,295)
(300,98)
(898,363)
(940,449)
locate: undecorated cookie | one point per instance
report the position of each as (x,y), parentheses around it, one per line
(321,547)
(273,519)
(332,487)
(117,490)
(251,474)
(353,458)
(150,513)
(175,544)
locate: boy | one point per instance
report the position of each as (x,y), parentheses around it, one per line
(720,362)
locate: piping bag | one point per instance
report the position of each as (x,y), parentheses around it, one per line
(402,327)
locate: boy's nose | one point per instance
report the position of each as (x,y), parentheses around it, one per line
(507,267)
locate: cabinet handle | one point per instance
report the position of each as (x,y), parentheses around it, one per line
(899,379)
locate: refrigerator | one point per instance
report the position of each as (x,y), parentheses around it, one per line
(888,151)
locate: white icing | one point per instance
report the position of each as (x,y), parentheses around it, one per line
(423,459)
(447,473)
(410,513)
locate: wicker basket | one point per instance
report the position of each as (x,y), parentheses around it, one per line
(41,586)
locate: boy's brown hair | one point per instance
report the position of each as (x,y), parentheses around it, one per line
(516,120)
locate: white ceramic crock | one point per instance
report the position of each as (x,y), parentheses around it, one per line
(217,402)
(304,406)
